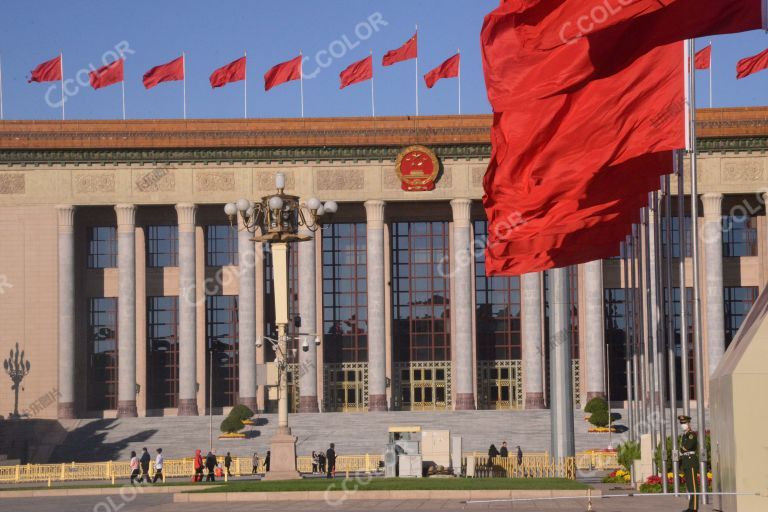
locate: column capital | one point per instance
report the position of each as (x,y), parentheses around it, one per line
(186,213)
(713,205)
(374,212)
(126,216)
(462,209)
(66,214)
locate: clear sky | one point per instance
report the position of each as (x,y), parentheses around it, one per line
(333,33)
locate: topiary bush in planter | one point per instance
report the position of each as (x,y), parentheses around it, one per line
(599,418)
(596,404)
(231,425)
(241,412)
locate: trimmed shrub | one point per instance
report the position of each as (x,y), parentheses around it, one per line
(241,412)
(596,404)
(599,418)
(231,425)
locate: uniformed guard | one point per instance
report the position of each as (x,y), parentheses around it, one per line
(689,461)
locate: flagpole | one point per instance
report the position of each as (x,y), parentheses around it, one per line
(245,87)
(61,65)
(184,85)
(2,116)
(458,52)
(123,90)
(373,100)
(711,64)
(417,70)
(301,79)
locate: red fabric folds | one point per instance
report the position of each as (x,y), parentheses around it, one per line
(409,50)
(752,65)
(357,72)
(49,71)
(283,72)
(107,75)
(703,59)
(448,69)
(169,72)
(232,72)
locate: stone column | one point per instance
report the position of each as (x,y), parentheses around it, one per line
(187,311)
(126,310)
(308,312)
(561,387)
(594,329)
(462,265)
(66,405)
(377,343)
(532,332)
(247,319)
(713,276)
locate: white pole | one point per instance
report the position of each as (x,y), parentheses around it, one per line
(184,85)
(711,65)
(245,87)
(123,90)
(417,70)
(1,90)
(458,52)
(61,64)
(373,100)
(301,79)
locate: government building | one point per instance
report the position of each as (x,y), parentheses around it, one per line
(100,222)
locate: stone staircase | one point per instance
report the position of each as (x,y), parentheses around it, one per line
(353,433)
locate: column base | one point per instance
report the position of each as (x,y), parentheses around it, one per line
(250,402)
(308,404)
(377,403)
(282,458)
(66,411)
(534,400)
(464,402)
(126,409)
(187,407)
(594,394)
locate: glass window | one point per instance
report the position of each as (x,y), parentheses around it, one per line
(739,236)
(615,304)
(420,291)
(162,246)
(220,245)
(102,353)
(102,247)
(162,352)
(497,316)
(675,236)
(345,306)
(738,302)
(222,341)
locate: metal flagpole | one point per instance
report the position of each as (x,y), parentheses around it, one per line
(301,79)
(373,100)
(417,70)
(2,116)
(697,341)
(684,350)
(245,87)
(711,65)
(628,333)
(671,341)
(122,88)
(184,86)
(650,332)
(658,342)
(61,64)
(458,52)
(608,391)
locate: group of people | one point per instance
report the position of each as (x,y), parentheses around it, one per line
(140,467)
(211,465)
(325,462)
(493,453)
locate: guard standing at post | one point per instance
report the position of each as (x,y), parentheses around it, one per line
(689,461)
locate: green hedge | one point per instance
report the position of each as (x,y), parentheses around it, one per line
(599,418)
(241,412)
(596,404)
(231,425)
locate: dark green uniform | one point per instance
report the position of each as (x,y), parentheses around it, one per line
(689,464)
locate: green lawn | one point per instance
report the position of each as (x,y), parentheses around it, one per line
(402,484)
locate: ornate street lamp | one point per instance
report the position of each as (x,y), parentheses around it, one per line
(276,220)
(17,368)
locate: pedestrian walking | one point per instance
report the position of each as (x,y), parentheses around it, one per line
(198,467)
(519,456)
(492,454)
(144,463)
(266,461)
(255,463)
(321,462)
(228,464)
(315,462)
(504,452)
(330,455)
(135,471)
(210,465)
(158,466)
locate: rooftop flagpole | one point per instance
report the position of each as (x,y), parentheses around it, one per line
(301,79)
(61,64)
(373,97)
(458,52)
(245,86)
(417,70)
(122,86)
(711,65)
(2,116)
(184,86)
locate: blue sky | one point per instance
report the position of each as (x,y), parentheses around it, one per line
(213,33)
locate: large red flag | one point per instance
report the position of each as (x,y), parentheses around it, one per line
(448,69)
(409,50)
(232,72)
(168,72)
(110,74)
(49,71)
(283,72)
(356,72)
(703,59)
(752,65)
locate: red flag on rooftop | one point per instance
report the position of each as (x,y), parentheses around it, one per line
(168,72)
(752,65)
(283,72)
(107,75)
(49,71)
(357,72)
(232,72)
(409,50)
(448,69)
(703,59)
